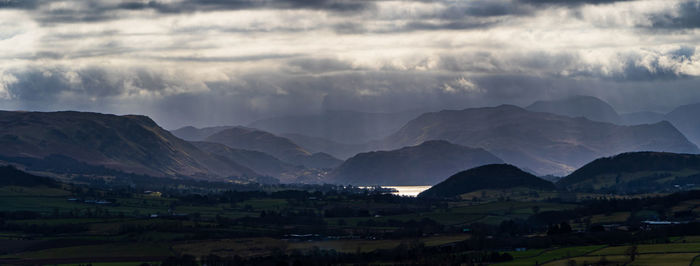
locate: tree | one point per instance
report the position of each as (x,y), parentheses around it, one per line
(631,252)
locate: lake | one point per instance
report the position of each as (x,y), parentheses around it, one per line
(411,191)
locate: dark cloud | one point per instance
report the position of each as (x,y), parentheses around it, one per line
(686,17)
(96,11)
(187,6)
(19,4)
(446,25)
(572,2)
(484,8)
(47,84)
(317,66)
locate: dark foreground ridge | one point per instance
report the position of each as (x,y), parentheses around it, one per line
(493,176)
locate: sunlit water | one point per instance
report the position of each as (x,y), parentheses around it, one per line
(411,191)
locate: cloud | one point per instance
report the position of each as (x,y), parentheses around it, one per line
(187,6)
(19,4)
(572,2)
(686,16)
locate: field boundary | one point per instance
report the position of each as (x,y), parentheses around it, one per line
(21,261)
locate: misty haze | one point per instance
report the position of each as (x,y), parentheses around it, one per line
(349,132)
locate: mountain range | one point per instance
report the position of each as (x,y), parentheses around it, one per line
(279,147)
(579,106)
(683,117)
(347,127)
(131,143)
(424,164)
(259,162)
(540,142)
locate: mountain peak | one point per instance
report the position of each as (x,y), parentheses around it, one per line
(579,106)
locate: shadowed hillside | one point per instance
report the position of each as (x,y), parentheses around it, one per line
(260,162)
(127,143)
(282,148)
(493,176)
(636,172)
(191,133)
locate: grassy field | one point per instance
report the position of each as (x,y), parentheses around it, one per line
(552,255)
(657,254)
(95,251)
(655,248)
(265,245)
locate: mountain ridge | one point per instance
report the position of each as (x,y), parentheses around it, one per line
(543,142)
(424,164)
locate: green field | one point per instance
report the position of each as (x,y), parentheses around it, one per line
(551,255)
(655,248)
(97,251)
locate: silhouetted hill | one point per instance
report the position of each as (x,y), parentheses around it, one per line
(130,143)
(191,133)
(279,147)
(542,142)
(11,176)
(579,106)
(636,172)
(338,126)
(424,164)
(493,176)
(685,118)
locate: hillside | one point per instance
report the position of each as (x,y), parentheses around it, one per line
(579,106)
(493,176)
(336,149)
(279,147)
(339,126)
(541,142)
(191,133)
(636,172)
(424,164)
(260,162)
(685,118)
(132,144)
(645,117)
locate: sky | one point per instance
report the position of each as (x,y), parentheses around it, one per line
(216,62)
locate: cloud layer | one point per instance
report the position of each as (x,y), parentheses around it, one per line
(207,62)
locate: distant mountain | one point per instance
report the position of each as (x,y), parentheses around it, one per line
(493,176)
(542,142)
(579,106)
(685,118)
(336,149)
(191,133)
(639,118)
(424,164)
(260,162)
(131,143)
(279,147)
(636,172)
(339,126)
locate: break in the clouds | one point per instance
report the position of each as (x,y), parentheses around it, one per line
(206,62)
